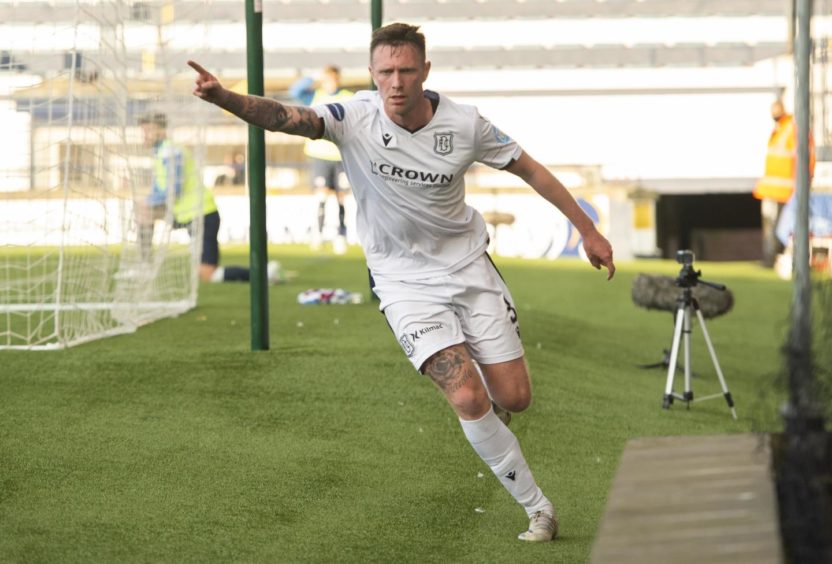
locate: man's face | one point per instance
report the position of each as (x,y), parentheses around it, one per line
(330,81)
(399,72)
(777,111)
(152,133)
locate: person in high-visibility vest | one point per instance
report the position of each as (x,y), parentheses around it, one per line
(174,167)
(777,184)
(327,171)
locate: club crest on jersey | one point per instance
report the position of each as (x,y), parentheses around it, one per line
(404,341)
(443,143)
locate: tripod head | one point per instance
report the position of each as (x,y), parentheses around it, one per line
(688,277)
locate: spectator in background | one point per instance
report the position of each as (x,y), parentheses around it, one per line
(778,182)
(238,165)
(235,171)
(327,171)
(174,167)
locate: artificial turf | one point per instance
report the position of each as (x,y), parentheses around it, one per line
(179,444)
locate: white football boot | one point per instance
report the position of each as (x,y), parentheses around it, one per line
(543,527)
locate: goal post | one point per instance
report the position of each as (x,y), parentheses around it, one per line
(77,262)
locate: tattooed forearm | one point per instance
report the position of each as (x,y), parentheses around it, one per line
(273,116)
(308,123)
(449,370)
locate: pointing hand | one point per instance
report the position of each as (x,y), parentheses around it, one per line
(207,86)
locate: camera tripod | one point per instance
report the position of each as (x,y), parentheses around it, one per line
(688,278)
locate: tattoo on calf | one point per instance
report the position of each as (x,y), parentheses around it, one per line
(449,370)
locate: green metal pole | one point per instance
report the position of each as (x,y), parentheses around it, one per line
(376,13)
(257,184)
(375,17)
(376,9)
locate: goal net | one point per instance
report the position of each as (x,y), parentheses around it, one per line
(81,257)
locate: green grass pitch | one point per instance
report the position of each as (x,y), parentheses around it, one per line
(178,444)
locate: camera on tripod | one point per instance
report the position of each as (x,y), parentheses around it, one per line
(684,257)
(688,277)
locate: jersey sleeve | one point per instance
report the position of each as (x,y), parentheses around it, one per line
(340,118)
(494,148)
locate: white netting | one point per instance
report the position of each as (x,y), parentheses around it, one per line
(75,169)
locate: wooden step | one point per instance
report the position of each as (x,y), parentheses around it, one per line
(707,499)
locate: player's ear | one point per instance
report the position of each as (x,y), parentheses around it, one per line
(427,70)
(373,76)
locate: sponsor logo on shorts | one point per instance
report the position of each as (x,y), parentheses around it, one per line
(408,340)
(425,330)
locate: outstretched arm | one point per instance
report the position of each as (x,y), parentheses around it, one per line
(262,112)
(598,249)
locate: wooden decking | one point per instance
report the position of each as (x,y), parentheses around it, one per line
(703,500)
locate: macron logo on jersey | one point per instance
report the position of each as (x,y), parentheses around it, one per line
(410,177)
(337,111)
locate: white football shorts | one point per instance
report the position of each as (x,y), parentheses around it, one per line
(471,306)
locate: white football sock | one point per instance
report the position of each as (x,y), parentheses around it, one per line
(500,450)
(218,275)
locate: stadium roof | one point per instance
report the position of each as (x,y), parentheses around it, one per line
(351,10)
(308,34)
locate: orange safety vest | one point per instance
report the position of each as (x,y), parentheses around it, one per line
(778,182)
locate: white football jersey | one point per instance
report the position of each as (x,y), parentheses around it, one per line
(409,188)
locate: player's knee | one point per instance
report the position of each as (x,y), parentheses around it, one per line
(520,401)
(510,385)
(470,402)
